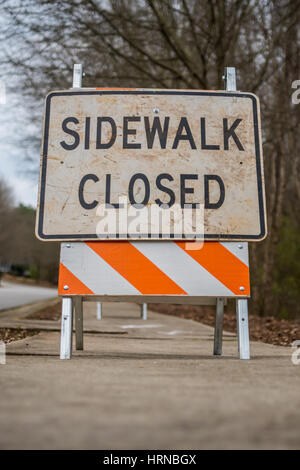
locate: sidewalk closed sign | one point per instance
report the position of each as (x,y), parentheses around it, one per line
(151,164)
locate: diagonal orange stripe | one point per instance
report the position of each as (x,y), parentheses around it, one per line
(66,278)
(145,276)
(223,265)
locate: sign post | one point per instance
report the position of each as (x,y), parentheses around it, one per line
(67,302)
(144,311)
(241,304)
(99,310)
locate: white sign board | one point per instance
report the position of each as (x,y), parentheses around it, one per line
(111,156)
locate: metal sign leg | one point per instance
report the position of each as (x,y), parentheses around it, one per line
(243,328)
(78,322)
(66,329)
(144,311)
(67,307)
(219,327)
(99,310)
(241,304)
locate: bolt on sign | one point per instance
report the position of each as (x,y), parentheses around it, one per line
(151,164)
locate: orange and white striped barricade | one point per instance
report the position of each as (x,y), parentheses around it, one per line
(143,271)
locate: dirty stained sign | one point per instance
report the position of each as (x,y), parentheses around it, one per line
(120,164)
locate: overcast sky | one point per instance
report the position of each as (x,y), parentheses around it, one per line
(21,175)
(15,130)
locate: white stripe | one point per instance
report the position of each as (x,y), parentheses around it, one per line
(93,271)
(240,253)
(182,269)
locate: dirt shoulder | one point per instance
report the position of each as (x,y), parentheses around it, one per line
(266,329)
(50,312)
(45,310)
(15,334)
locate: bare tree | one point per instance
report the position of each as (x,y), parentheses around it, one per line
(176,44)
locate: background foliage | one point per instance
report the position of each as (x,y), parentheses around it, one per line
(181,44)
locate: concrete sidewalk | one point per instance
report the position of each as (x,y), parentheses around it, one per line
(151,385)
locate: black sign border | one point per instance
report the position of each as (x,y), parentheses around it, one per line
(149,236)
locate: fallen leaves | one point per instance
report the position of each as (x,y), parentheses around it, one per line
(14,334)
(266,329)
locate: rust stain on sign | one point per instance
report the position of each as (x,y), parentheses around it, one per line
(153,147)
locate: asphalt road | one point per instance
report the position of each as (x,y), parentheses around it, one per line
(14,295)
